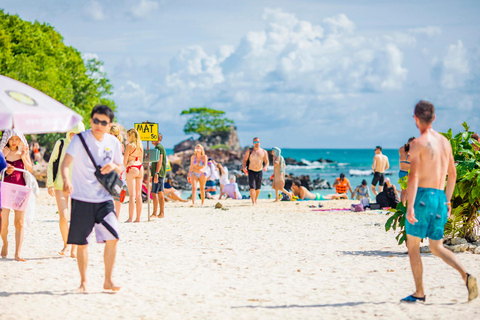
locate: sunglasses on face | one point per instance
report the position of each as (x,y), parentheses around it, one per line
(256,142)
(103,123)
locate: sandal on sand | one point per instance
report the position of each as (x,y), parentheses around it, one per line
(412,298)
(472,287)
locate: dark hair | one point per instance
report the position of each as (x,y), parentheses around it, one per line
(407,145)
(364,182)
(297,182)
(342,175)
(475,136)
(425,111)
(256,138)
(103,109)
(378,147)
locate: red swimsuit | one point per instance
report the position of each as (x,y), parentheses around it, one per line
(138,166)
(17,176)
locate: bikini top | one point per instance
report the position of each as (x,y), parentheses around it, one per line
(136,158)
(200,163)
(406,160)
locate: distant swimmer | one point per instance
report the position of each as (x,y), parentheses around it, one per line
(428,204)
(302,193)
(379,166)
(257,159)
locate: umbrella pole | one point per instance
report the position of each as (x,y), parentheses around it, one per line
(148,184)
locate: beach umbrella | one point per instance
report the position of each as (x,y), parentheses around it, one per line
(31,111)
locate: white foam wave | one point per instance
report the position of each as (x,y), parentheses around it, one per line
(355,172)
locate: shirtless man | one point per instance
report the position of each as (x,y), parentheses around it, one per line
(380,165)
(428,204)
(257,157)
(302,193)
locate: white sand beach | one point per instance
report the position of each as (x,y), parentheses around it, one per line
(274,261)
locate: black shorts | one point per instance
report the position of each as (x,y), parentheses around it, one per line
(157,187)
(255,179)
(86,216)
(378,177)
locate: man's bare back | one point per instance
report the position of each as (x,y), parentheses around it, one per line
(431,155)
(380,163)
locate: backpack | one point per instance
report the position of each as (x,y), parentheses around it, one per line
(56,163)
(248,159)
(357,207)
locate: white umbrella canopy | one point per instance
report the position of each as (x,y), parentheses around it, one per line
(31,111)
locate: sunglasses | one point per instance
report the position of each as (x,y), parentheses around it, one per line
(103,123)
(255,142)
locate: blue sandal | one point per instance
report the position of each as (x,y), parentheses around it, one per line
(412,298)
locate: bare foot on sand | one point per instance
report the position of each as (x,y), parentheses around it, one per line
(128,221)
(82,288)
(153,215)
(4,250)
(110,286)
(17,258)
(136,221)
(161,216)
(64,251)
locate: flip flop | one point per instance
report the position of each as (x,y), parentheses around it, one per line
(472,287)
(412,298)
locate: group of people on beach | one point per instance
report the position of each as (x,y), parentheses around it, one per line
(427,160)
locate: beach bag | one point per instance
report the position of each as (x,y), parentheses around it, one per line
(365,202)
(110,181)
(285,197)
(14,196)
(357,208)
(247,163)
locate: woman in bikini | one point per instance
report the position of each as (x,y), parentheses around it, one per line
(132,159)
(15,149)
(404,166)
(198,164)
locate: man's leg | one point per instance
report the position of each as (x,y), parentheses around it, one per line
(161,200)
(155,204)
(413,245)
(373,189)
(82,261)
(437,248)
(109,260)
(257,193)
(252,195)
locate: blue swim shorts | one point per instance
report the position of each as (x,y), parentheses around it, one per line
(431,213)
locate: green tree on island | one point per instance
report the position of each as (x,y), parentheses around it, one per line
(34,53)
(206,121)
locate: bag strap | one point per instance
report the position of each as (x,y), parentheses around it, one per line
(88,150)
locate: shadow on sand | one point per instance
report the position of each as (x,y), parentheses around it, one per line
(335,305)
(376,253)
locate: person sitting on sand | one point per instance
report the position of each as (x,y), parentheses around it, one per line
(303,194)
(342,184)
(231,190)
(170,192)
(361,191)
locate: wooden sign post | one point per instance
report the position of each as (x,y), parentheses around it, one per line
(148,132)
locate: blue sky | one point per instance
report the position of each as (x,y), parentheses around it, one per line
(302,74)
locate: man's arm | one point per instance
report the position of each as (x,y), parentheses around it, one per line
(265,159)
(413,180)
(387,165)
(158,167)
(451,178)
(244,162)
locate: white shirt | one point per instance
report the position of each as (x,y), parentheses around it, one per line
(212,172)
(224,177)
(85,185)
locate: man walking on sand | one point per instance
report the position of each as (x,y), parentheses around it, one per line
(379,166)
(92,205)
(428,204)
(256,158)
(159,173)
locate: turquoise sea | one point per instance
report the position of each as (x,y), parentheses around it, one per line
(356,164)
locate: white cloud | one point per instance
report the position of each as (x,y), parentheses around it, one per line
(430,31)
(454,68)
(94,11)
(144,9)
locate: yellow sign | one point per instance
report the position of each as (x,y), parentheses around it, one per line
(147,131)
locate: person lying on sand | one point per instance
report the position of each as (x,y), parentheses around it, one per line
(302,193)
